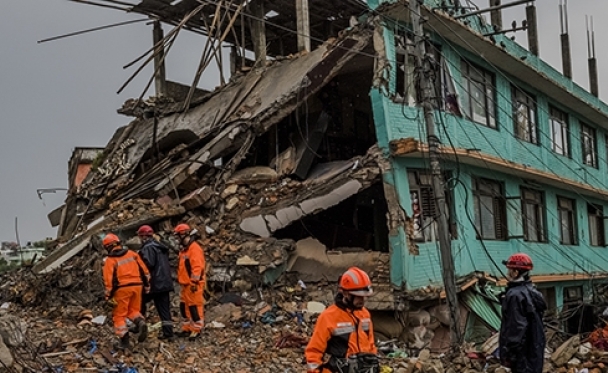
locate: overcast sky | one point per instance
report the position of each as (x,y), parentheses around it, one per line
(62,94)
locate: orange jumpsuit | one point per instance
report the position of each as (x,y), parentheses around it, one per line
(191,274)
(339,333)
(124,275)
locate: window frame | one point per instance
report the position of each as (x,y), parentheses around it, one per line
(423,189)
(499,202)
(598,217)
(571,216)
(540,212)
(488,81)
(591,134)
(523,98)
(558,117)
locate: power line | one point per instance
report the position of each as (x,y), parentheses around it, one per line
(91,30)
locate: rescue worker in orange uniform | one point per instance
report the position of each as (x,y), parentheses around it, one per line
(343,338)
(125,276)
(191,277)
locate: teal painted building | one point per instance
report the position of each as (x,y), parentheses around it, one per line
(525,151)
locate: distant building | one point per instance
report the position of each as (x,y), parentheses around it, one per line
(80,164)
(26,254)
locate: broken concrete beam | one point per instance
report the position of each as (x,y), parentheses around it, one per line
(252,175)
(197,198)
(566,351)
(285,163)
(263,225)
(314,263)
(404,146)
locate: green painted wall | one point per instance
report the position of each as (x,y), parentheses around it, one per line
(393,121)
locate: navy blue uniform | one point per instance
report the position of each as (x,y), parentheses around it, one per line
(522,335)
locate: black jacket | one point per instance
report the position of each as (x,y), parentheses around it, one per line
(156,257)
(522,335)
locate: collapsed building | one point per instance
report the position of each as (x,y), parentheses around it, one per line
(309,161)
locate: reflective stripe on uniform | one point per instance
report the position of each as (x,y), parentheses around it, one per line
(365,324)
(125,261)
(121,330)
(343,330)
(312,366)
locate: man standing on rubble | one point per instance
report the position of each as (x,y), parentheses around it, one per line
(344,330)
(522,336)
(156,257)
(191,277)
(124,276)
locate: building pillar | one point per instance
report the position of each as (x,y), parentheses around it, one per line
(160,80)
(258,30)
(303,21)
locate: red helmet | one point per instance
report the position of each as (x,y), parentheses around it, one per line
(182,229)
(356,282)
(145,230)
(519,261)
(110,239)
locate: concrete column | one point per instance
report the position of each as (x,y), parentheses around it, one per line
(532,30)
(160,81)
(258,30)
(303,21)
(496,15)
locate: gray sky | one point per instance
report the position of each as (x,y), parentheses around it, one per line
(62,94)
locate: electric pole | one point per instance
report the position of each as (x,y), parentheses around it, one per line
(425,77)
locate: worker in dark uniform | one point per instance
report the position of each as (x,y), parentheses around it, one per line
(156,257)
(522,336)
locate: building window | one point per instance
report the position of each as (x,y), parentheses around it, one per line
(478,95)
(589,146)
(490,209)
(406,64)
(524,116)
(533,211)
(424,206)
(595,214)
(566,210)
(559,132)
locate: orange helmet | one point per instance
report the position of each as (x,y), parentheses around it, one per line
(145,230)
(110,239)
(519,261)
(356,282)
(182,229)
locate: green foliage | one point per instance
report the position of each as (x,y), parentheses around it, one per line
(98,161)
(42,243)
(7,266)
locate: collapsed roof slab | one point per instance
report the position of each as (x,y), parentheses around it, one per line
(257,101)
(330,185)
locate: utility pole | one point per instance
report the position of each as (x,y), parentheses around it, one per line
(427,92)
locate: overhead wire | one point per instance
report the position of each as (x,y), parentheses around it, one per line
(499,154)
(516,137)
(485,249)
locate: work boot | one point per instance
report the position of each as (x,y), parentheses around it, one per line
(142,329)
(166,337)
(194,335)
(123,343)
(183,334)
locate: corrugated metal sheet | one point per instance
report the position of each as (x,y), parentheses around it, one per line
(484,306)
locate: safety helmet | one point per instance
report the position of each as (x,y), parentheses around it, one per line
(110,239)
(145,230)
(356,282)
(181,229)
(519,261)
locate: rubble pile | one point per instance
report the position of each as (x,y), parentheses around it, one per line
(78,283)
